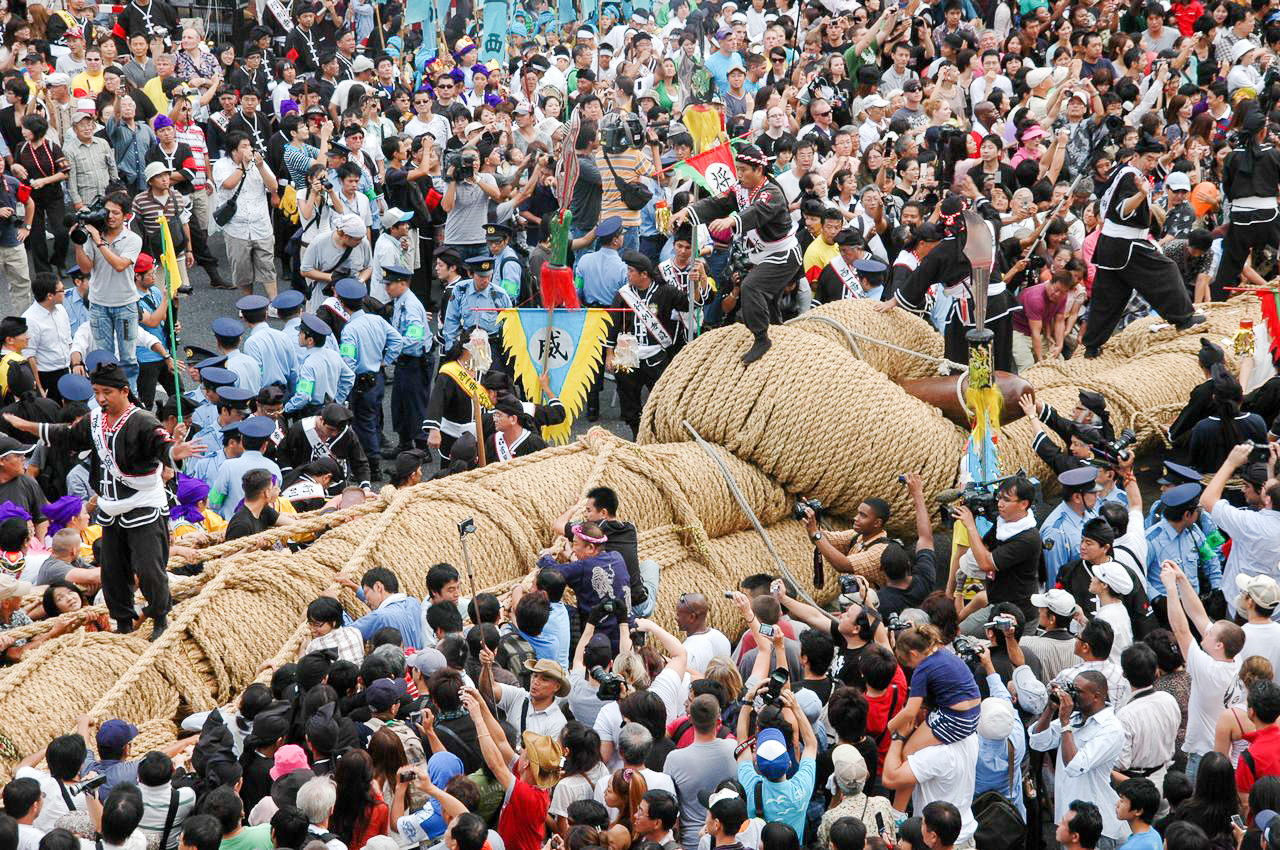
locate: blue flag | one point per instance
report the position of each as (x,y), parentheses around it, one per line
(573,345)
(494,45)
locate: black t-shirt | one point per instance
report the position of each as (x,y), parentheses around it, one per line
(894,600)
(822,687)
(1018,564)
(847,665)
(24,492)
(244,523)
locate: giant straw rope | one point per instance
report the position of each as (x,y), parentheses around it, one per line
(821,416)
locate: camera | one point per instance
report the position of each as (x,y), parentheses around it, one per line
(773,693)
(459,166)
(407,774)
(467,526)
(798,509)
(1259,452)
(768,630)
(894,623)
(1068,688)
(1000,623)
(1114,451)
(95,215)
(87,785)
(610,689)
(969,649)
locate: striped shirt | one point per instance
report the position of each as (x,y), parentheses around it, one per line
(630,166)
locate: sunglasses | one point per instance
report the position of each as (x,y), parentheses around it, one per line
(822,114)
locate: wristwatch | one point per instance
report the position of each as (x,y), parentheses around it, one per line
(897,737)
(816,536)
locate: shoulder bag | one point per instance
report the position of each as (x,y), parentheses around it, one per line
(227,209)
(635,195)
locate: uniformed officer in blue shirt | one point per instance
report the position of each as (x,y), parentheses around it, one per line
(244,452)
(508,273)
(470,303)
(275,353)
(204,414)
(411,386)
(1060,532)
(323,375)
(1177,538)
(600,274)
(288,305)
(227,332)
(232,405)
(1175,474)
(367,344)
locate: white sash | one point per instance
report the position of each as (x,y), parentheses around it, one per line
(1104,206)
(848,277)
(680,280)
(500,447)
(150,487)
(645,316)
(280,12)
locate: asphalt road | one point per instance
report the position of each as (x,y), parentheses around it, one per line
(197,311)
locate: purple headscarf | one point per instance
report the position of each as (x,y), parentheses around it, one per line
(9,510)
(190,492)
(62,512)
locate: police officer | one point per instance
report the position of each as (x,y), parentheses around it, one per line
(227,333)
(1060,532)
(602,273)
(231,404)
(508,271)
(367,343)
(204,416)
(1250,180)
(288,306)
(274,351)
(471,303)
(411,387)
(323,375)
(1176,537)
(244,452)
(1173,475)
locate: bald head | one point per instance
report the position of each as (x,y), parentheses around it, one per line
(691,613)
(66,544)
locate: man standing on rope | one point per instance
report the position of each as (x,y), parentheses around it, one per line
(1251,181)
(129,447)
(755,211)
(1128,260)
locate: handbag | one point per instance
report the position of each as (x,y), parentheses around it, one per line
(227,209)
(635,196)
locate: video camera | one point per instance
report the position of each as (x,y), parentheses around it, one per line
(610,689)
(459,165)
(969,649)
(981,497)
(95,215)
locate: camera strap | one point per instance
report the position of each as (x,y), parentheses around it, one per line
(819,574)
(169,818)
(66,796)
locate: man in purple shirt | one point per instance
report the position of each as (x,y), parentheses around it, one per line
(595,574)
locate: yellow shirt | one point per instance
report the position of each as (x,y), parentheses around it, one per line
(212,523)
(816,257)
(154,90)
(90,83)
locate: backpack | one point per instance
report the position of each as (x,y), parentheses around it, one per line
(1000,825)
(512,653)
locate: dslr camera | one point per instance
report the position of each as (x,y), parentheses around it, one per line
(798,509)
(1068,688)
(610,689)
(773,693)
(95,215)
(1259,452)
(1114,451)
(969,649)
(894,623)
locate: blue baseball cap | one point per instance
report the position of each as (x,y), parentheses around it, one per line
(253,302)
(258,427)
(115,734)
(349,289)
(772,759)
(290,299)
(75,388)
(316,325)
(227,328)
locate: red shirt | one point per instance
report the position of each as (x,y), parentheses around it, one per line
(1187,14)
(523,819)
(881,710)
(749,639)
(1264,752)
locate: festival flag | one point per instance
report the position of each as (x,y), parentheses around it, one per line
(1270,303)
(493,47)
(712,170)
(576,354)
(169,259)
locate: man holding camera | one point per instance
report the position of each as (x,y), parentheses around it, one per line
(108,256)
(857,551)
(466,202)
(1010,553)
(242,179)
(1255,535)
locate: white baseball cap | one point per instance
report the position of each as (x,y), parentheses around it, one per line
(1178,181)
(1057,600)
(1113,576)
(1263,590)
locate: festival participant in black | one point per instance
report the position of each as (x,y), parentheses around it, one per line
(129,447)
(755,211)
(498,385)
(650,316)
(1250,182)
(947,264)
(327,435)
(510,438)
(688,274)
(450,410)
(1128,260)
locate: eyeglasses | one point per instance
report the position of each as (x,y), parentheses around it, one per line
(822,114)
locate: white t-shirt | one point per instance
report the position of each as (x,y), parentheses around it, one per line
(669,687)
(1118,617)
(946,772)
(1214,684)
(1262,639)
(29,837)
(703,647)
(656,780)
(55,805)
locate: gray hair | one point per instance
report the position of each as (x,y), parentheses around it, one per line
(66,542)
(393,655)
(634,743)
(316,798)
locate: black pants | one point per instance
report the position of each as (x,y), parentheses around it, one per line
(1154,276)
(1242,237)
(631,386)
(48,217)
(760,291)
(410,390)
(150,375)
(956,346)
(366,409)
(139,553)
(49,380)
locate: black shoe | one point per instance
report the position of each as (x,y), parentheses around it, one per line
(763,344)
(1196,319)
(1090,353)
(124,627)
(391,453)
(185,289)
(219,283)
(158,625)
